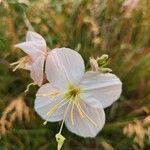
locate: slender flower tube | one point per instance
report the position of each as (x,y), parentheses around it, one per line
(76,97)
(36,50)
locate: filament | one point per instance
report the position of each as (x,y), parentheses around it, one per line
(79,106)
(79,110)
(28,86)
(64,117)
(71,114)
(53,93)
(55,108)
(18,63)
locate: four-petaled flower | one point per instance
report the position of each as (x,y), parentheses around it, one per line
(76,97)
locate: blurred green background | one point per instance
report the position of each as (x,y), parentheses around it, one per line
(93,27)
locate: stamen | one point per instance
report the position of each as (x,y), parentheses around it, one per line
(18,63)
(86,114)
(55,108)
(53,93)
(28,86)
(71,115)
(45,122)
(22,63)
(59,138)
(65,116)
(15,63)
(16,67)
(79,110)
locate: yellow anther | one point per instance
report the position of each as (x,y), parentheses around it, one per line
(45,122)
(59,138)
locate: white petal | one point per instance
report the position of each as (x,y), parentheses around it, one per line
(82,126)
(64,66)
(29,49)
(91,101)
(104,87)
(37,70)
(43,104)
(37,39)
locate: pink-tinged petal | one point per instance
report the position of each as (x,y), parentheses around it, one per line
(37,70)
(27,63)
(29,49)
(37,39)
(27,66)
(82,126)
(33,36)
(105,87)
(64,66)
(44,104)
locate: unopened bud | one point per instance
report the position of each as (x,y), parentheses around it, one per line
(94,64)
(102,61)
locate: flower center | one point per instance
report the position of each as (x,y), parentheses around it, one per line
(72,92)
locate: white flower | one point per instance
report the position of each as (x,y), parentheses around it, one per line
(76,97)
(36,50)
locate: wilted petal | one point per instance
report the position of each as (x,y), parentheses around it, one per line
(37,39)
(44,104)
(82,126)
(37,70)
(105,87)
(64,66)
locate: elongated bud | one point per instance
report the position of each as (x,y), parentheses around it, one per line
(94,64)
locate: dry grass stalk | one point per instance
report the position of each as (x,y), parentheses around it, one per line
(94,29)
(106,145)
(17,109)
(129,6)
(139,130)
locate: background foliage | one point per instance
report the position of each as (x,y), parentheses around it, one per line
(93,27)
